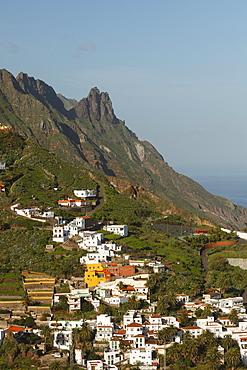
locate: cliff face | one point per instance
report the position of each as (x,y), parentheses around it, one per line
(90,135)
(96,107)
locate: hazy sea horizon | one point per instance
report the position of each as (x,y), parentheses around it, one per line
(233,187)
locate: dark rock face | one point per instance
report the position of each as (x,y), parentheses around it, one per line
(43,92)
(96,107)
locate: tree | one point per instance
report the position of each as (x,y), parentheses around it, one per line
(63,303)
(224,283)
(227,342)
(165,335)
(45,332)
(120,285)
(9,347)
(233,357)
(26,301)
(86,306)
(233,317)
(213,358)
(219,263)
(56,365)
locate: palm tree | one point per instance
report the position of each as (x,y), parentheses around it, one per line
(165,335)
(233,317)
(9,347)
(192,351)
(133,302)
(56,365)
(233,357)
(227,342)
(120,285)
(173,352)
(162,305)
(26,301)
(207,339)
(45,332)
(213,358)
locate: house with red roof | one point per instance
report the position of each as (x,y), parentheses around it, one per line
(133,329)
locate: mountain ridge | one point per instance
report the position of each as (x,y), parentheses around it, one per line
(90,135)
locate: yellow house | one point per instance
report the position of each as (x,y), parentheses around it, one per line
(94,266)
(94,274)
(93,278)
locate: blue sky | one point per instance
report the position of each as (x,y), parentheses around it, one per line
(176,70)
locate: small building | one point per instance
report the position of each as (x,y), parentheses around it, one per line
(85,193)
(143,356)
(121,230)
(2,165)
(195,331)
(182,297)
(94,365)
(133,329)
(73,203)
(62,339)
(60,234)
(112,357)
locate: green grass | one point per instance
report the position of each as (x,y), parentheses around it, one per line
(12,292)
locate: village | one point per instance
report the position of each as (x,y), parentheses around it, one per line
(112,280)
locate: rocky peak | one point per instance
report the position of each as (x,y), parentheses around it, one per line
(8,80)
(43,92)
(96,107)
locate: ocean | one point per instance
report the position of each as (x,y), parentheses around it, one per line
(232,187)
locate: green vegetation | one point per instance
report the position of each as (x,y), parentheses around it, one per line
(124,210)
(33,173)
(25,249)
(202,353)
(228,279)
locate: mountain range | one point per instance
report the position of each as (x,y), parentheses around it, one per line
(89,135)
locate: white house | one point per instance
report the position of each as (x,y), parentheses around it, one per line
(112,357)
(130,317)
(195,331)
(71,324)
(104,328)
(95,258)
(90,239)
(94,365)
(228,304)
(116,300)
(211,325)
(144,356)
(241,338)
(85,193)
(182,298)
(133,329)
(62,339)
(60,234)
(117,229)
(2,165)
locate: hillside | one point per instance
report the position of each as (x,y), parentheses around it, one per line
(36,177)
(92,137)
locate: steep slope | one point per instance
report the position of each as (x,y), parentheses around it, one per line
(91,135)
